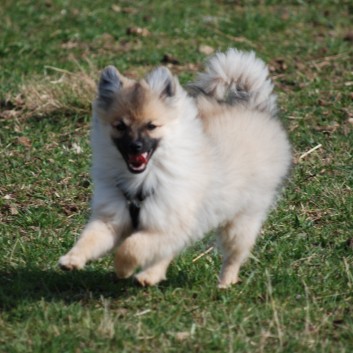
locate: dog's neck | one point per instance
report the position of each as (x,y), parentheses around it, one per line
(134,204)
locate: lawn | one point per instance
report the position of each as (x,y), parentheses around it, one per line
(296,293)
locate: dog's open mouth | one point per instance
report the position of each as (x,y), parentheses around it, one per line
(137,163)
(137,154)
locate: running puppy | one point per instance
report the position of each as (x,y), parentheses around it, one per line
(169,166)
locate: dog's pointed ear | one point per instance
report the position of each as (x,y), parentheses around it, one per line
(162,82)
(109,85)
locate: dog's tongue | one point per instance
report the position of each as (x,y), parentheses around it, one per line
(137,160)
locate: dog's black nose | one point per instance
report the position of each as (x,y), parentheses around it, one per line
(136,146)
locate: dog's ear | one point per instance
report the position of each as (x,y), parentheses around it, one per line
(109,85)
(162,82)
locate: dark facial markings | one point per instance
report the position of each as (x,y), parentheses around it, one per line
(136,147)
(120,126)
(150,126)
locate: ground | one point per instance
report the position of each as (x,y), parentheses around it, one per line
(295,293)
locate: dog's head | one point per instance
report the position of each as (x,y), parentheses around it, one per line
(137,112)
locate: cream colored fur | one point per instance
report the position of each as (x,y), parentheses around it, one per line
(220,163)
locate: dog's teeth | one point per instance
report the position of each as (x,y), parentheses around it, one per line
(140,167)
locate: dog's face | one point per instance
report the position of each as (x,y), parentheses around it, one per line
(137,112)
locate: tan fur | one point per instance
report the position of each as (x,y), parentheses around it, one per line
(154,274)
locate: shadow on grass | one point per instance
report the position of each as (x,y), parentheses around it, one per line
(32,284)
(21,285)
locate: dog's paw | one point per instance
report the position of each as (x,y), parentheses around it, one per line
(122,271)
(71,262)
(125,266)
(150,278)
(227,281)
(229,274)
(226,284)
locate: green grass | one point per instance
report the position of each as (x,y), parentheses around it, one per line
(296,293)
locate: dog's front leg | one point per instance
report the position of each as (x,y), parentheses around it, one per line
(97,239)
(150,251)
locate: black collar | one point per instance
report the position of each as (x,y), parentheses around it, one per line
(135,203)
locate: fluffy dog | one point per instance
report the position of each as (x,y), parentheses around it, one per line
(170,165)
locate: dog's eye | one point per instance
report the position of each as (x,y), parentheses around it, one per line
(121,126)
(150,126)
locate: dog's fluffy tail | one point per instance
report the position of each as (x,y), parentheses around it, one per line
(237,77)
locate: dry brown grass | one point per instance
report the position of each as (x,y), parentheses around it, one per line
(63,91)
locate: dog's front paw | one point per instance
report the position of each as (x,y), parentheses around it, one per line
(150,277)
(125,266)
(125,261)
(71,262)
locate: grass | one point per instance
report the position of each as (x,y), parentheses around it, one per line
(296,293)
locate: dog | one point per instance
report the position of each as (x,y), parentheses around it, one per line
(170,164)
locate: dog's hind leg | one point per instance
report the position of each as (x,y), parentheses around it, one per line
(96,240)
(154,274)
(236,240)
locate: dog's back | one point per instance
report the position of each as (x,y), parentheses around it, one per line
(238,108)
